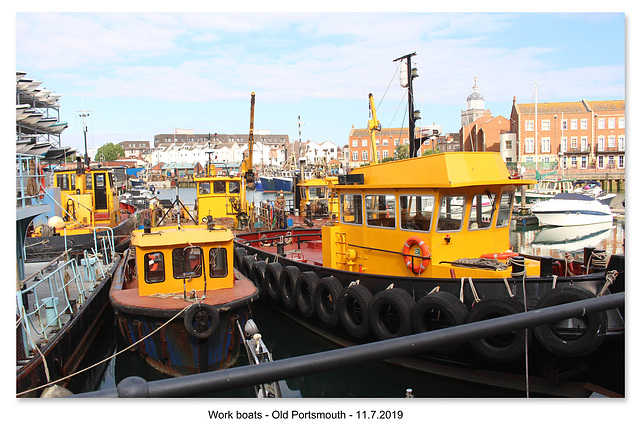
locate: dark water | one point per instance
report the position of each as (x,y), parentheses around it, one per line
(286,338)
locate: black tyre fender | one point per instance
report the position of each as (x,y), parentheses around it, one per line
(238,254)
(246,265)
(354,310)
(288,278)
(258,277)
(305,287)
(325,300)
(390,313)
(502,348)
(594,325)
(272,280)
(201,320)
(436,311)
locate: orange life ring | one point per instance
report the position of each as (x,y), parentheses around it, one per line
(504,255)
(408,260)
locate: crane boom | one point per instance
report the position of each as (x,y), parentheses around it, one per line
(248,162)
(374,125)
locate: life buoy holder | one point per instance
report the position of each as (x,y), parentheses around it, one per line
(408,259)
(503,255)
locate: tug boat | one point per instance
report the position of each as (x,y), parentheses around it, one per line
(430,251)
(178,298)
(83,205)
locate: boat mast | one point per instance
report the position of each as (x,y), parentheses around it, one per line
(411,74)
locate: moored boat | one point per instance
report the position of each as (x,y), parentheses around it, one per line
(180,281)
(571,209)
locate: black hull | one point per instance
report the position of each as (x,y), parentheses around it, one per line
(47,248)
(550,368)
(66,350)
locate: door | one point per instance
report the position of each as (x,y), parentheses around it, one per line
(100,190)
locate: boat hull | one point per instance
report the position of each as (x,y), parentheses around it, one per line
(571,212)
(47,248)
(66,350)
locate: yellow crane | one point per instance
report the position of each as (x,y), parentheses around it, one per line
(374,125)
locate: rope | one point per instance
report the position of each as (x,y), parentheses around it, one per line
(523,274)
(610,278)
(568,258)
(106,359)
(599,260)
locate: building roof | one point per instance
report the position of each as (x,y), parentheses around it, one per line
(608,105)
(551,108)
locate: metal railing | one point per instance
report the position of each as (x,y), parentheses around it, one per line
(25,181)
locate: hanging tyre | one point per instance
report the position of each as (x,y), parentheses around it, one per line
(354,310)
(238,254)
(288,278)
(201,320)
(572,337)
(325,300)
(437,311)
(390,314)
(505,347)
(258,277)
(272,280)
(246,265)
(305,287)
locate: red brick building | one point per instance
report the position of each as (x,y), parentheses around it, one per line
(483,134)
(576,135)
(387,140)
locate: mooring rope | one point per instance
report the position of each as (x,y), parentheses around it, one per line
(103,360)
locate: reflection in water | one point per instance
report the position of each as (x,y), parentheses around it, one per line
(556,241)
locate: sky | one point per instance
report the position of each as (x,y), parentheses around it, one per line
(139,74)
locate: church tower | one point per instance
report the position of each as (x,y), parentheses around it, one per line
(475,106)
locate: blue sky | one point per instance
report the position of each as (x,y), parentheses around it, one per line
(141,74)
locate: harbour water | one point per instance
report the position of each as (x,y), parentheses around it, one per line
(286,338)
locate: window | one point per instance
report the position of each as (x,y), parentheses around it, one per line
(545,143)
(385,142)
(528,159)
(528,126)
(451,212)
(583,144)
(584,124)
(351,208)
(601,123)
(365,143)
(574,161)
(218,262)
(234,187)
(204,188)
(385,153)
(481,211)
(574,142)
(504,211)
(354,155)
(508,145)
(416,212)
(611,141)
(600,143)
(365,155)
(611,161)
(601,162)
(545,125)
(187,262)
(621,161)
(564,124)
(563,144)
(154,267)
(88,182)
(219,187)
(583,162)
(396,142)
(354,143)
(528,145)
(381,210)
(621,123)
(611,123)
(574,124)
(621,143)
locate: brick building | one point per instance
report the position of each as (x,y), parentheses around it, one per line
(483,134)
(387,140)
(572,135)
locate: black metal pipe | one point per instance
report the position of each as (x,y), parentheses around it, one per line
(215,381)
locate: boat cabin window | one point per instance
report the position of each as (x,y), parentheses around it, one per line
(154,267)
(88,182)
(303,193)
(66,182)
(99,180)
(381,210)
(504,211)
(451,212)
(218,262)
(351,208)
(234,187)
(481,211)
(187,262)
(219,187)
(204,188)
(416,212)
(316,192)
